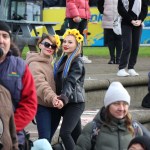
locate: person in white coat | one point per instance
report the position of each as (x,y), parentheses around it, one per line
(112,29)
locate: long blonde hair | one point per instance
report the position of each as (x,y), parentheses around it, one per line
(75,53)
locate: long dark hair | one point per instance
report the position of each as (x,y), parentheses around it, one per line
(14,49)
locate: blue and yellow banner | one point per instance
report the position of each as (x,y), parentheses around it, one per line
(94,32)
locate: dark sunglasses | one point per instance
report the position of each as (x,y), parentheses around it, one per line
(48,45)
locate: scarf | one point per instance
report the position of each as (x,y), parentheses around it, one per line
(126,4)
(136,6)
(67,64)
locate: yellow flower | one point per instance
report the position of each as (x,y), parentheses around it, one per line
(80,38)
(57,40)
(74,32)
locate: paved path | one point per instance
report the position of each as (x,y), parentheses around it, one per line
(99,69)
(86,117)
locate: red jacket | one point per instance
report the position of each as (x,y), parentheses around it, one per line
(75,8)
(27,106)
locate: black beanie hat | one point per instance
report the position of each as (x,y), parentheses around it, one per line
(5,27)
(141,140)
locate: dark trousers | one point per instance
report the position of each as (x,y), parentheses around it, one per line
(45,124)
(80,26)
(114,42)
(131,40)
(71,123)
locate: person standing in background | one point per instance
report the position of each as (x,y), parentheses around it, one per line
(133,13)
(111,21)
(78,14)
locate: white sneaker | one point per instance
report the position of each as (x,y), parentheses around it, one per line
(132,72)
(86,60)
(122,73)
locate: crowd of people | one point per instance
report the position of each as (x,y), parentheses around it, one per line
(50,89)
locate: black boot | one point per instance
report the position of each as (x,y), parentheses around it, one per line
(111,61)
(117,60)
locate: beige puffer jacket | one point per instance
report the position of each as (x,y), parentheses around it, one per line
(110,13)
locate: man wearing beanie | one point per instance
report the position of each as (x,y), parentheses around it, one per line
(112,128)
(17,79)
(139,143)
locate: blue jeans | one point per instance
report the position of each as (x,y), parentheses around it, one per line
(45,125)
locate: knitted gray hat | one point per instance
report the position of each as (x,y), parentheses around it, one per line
(116,92)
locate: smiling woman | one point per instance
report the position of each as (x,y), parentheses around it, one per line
(114,120)
(41,67)
(48,45)
(69,78)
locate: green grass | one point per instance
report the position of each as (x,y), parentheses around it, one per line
(144,51)
(104,52)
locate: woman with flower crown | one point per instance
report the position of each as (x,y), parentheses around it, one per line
(41,67)
(69,74)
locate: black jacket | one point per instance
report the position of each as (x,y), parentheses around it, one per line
(128,16)
(73,85)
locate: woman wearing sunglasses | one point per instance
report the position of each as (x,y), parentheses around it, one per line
(41,67)
(69,77)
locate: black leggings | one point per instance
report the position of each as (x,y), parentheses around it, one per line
(131,41)
(114,42)
(71,124)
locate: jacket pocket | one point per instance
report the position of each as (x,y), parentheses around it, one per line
(73,96)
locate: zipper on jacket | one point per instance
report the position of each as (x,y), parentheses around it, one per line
(119,148)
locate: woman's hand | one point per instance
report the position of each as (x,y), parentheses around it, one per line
(77,19)
(60,104)
(57,103)
(136,22)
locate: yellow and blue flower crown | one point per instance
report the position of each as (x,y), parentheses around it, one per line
(74,32)
(58,42)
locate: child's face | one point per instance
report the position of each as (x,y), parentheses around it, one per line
(69,44)
(136,147)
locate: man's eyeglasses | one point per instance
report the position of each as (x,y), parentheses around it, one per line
(48,45)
